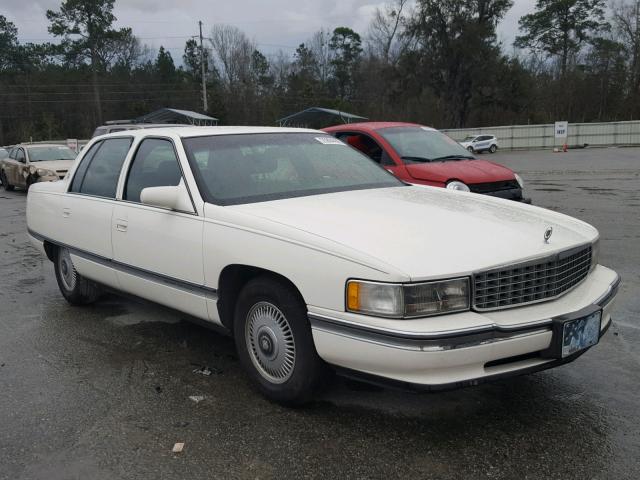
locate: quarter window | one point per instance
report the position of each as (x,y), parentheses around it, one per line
(155,165)
(100,168)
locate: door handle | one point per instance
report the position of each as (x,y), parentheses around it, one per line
(66,212)
(121,225)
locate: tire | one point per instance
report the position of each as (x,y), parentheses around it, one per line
(5,183)
(274,342)
(471,149)
(76,289)
(493,148)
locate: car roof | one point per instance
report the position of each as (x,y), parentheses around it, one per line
(372,126)
(26,145)
(186,132)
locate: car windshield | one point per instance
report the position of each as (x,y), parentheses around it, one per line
(46,154)
(422,144)
(236,169)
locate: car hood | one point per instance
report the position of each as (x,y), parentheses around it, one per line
(467,171)
(53,165)
(422,232)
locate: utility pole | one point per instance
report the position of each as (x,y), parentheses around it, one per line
(204,82)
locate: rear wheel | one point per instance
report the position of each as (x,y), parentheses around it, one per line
(274,342)
(76,289)
(493,148)
(5,183)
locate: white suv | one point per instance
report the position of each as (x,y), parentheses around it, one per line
(480,143)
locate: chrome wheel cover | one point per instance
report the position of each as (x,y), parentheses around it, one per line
(68,273)
(270,342)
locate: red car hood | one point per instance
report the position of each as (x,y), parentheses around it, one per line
(467,171)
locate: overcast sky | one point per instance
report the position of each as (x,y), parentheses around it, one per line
(273,24)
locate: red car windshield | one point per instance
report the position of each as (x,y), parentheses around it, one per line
(422,144)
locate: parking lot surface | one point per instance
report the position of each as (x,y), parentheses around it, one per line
(102,392)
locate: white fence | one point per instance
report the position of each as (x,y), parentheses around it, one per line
(542,136)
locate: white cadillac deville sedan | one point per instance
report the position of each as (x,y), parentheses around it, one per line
(313,256)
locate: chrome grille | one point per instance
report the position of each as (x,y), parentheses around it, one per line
(531,282)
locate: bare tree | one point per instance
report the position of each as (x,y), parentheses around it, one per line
(319,46)
(626,18)
(233,52)
(388,38)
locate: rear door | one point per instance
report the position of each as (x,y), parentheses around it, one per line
(85,214)
(158,251)
(483,142)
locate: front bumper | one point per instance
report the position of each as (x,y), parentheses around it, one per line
(440,360)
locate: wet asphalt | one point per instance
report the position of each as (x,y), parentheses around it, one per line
(102,392)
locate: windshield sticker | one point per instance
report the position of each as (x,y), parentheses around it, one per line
(329,141)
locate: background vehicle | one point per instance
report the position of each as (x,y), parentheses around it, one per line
(311,255)
(30,163)
(480,143)
(424,156)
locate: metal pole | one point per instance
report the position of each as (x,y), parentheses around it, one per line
(204,83)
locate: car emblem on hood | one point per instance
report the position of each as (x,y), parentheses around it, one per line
(547,234)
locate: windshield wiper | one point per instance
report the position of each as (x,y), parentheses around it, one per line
(452,157)
(416,159)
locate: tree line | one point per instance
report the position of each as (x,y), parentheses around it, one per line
(434,62)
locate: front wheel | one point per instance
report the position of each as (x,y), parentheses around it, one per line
(493,148)
(76,289)
(471,149)
(5,183)
(274,342)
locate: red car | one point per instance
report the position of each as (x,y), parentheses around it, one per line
(424,156)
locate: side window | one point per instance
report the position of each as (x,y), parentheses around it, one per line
(368,146)
(100,168)
(20,155)
(155,165)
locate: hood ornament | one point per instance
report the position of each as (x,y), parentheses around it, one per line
(547,234)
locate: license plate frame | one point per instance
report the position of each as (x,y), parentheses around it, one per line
(575,333)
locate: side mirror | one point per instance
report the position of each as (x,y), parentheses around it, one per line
(173,198)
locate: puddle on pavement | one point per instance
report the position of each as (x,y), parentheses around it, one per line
(123,312)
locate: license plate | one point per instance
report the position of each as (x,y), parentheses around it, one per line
(581,333)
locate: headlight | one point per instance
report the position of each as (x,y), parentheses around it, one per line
(406,301)
(42,172)
(595,253)
(519,180)
(456,185)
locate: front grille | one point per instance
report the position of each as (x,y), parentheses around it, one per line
(494,186)
(530,282)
